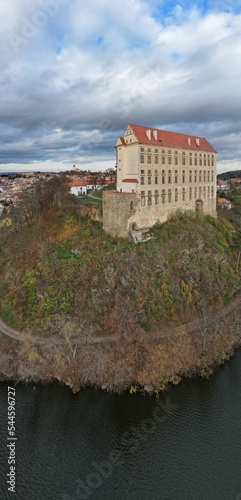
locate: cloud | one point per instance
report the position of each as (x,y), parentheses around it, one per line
(73,75)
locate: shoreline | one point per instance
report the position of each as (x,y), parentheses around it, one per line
(170,357)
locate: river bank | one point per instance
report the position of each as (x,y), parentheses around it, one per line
(148,362)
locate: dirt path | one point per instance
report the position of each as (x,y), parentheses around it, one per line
(189,327)
(15,334)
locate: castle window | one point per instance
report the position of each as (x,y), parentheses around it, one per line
(156,159)
(163,176)
(183,195)
(190,176)
(200,192)
(195,193)
(176,160)
(190,160)
(212,191)
(149,172)
(204,192)
(163,195)
(142,149)
(163,160)
(156,172)
(156,180)
(149,198)
(212,175)
(190,193)
(156,198)
(176,194)
(142,180)
(149,159)
(149,180)
(176,176)
(169,160)
(200,176)
(149,150)
(208,176)
(204,176)
(142,158)
(142,172)
(195,176)
(208,191)
(156,150)
(183,160)
(183,176)
(169,195)
(195,161)
(131,206)
(169,176)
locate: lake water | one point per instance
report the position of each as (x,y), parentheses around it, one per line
(186,445)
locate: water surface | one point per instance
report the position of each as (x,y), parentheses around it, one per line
(186,445)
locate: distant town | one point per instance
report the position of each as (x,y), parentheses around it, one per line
(81,182)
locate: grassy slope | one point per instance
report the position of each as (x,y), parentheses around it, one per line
(188,262)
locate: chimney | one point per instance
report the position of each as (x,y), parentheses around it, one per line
(197,141)
(148,134)
(155,134)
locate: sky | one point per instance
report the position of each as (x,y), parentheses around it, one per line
(75,73)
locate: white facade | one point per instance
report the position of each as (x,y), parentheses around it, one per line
(167,171)
(78,190)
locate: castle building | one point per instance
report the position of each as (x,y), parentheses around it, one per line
(158,173)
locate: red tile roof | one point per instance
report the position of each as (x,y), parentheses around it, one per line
(223,200)
(76,183)
(130,180)
(171,139)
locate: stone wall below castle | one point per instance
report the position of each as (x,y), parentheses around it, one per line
(123,212)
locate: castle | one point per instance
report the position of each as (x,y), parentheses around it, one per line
(158,172)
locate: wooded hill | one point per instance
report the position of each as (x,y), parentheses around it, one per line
(232,174)
(63,277)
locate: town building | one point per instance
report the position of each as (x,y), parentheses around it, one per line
(223,203)
(222,185)
(78,187)
(158,173)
